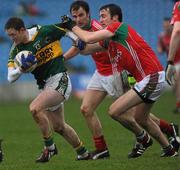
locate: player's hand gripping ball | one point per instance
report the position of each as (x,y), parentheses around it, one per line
(26,61)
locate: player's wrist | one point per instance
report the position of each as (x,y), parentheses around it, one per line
(170,62)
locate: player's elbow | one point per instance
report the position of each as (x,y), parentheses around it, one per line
(10,79)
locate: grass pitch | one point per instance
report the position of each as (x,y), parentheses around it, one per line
(22,141)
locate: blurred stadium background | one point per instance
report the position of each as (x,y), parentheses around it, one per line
(144,15)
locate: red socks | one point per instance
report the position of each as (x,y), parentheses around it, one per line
(165,127)
(100,143)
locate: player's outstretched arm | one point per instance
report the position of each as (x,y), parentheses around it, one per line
(174,42)
(174,45)
(92,37)
(86,36)
(92,48)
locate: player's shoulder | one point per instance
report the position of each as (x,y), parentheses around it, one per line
(177,4)
(95,25)
(116,25)
(176,7)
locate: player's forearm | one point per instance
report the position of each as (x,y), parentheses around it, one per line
(73,51)
(13,74)
(92,37)
(86,36)
(92,48)
(174,43)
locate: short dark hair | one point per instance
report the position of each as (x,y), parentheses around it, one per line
(114,10)
(14,22)
(167,19)
(79,4)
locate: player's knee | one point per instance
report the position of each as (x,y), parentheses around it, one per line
(34,111)
(112,112)
(86,111)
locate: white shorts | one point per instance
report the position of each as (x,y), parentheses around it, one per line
(151,87)
(112,84)
(61,83)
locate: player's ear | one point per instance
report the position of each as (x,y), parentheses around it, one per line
(115,18)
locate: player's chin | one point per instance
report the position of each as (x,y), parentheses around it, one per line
(80,25)
(16,42)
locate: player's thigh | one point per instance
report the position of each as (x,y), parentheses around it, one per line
(93,98)
(129,114)
(125,102)
(56,90)
(46,99)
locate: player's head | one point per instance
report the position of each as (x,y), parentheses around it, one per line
(15,29)
(110,13)
(167,26)
(80,13)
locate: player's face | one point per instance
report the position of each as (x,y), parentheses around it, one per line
(15,35)
(80,17)
(105,17)
(167,27)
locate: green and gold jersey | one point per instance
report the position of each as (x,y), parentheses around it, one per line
(45,45)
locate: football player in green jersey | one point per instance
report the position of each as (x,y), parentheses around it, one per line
(52,79)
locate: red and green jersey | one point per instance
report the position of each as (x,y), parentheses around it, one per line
(131,52)
(101,59)
(176,13)
(44,44)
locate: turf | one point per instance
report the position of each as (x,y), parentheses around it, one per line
(22,140)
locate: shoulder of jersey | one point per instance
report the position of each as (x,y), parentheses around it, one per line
(96,25)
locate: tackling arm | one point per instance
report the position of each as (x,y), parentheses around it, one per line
(92,48)
(174,45)
(73,51)
(92,37)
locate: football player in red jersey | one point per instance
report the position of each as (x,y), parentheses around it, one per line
(106,72)
(164,37)
(132,53)
(173,63)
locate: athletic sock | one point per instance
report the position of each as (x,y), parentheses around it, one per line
(178,105)
(81,149)
(49,143)
(166,127)
(100,143)
(143,137)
